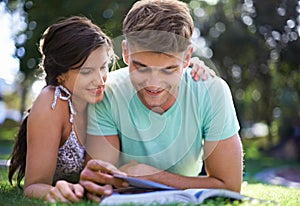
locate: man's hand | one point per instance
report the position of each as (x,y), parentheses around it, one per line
(65,192)
(97,179)
(200,70)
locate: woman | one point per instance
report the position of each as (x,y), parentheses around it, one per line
(75,57)
(49,151)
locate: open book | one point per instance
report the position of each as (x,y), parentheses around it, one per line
(145,192)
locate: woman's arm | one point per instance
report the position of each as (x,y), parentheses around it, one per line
(45,129)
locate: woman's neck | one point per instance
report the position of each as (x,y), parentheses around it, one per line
(80,106)
(80,119)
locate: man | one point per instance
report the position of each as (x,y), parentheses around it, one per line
(155,122)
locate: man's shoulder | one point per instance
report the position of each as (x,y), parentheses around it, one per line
(210,83)
(216,82)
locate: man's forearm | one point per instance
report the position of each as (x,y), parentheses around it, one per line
(184,182)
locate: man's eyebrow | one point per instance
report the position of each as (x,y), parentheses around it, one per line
(172,67)
(139,63)
(144,65)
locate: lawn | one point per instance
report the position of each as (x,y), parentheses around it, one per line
(12,196)
(255,161)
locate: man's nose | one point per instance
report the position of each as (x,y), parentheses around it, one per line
(154,78)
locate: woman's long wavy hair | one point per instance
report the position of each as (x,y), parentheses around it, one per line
(63,47)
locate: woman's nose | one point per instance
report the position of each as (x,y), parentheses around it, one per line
(99,78)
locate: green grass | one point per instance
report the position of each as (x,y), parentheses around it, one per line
(284,196)
(279,194)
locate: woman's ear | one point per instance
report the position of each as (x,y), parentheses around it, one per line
(60,79)
(125,52)
(187,56)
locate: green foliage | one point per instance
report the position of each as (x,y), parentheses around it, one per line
(8,130)
(255,52)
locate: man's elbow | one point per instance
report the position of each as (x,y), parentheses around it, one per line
(236,188)
(234,185)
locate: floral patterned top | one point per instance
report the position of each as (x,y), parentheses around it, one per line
(71,155)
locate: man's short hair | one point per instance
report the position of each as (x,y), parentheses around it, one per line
(159,25)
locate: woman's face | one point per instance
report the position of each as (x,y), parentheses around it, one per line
(87,83)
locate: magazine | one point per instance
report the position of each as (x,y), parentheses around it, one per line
(145,192)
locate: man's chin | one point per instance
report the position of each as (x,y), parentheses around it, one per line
(158,110)
(154,106)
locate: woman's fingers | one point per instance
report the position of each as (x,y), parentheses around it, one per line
(78,190)
(64,192)
(200,70)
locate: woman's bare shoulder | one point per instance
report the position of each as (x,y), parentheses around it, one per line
(42,105)
(44,99)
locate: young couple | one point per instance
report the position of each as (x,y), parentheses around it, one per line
(151,119)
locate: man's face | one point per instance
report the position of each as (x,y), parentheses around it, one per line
(156,77)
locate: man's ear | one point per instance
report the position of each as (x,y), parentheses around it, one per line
(187,56)
(125,52)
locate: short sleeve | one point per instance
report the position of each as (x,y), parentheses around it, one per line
(100,120)
(219,115)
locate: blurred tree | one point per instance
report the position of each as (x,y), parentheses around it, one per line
(255,45)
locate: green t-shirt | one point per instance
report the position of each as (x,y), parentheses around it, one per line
(171,141)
